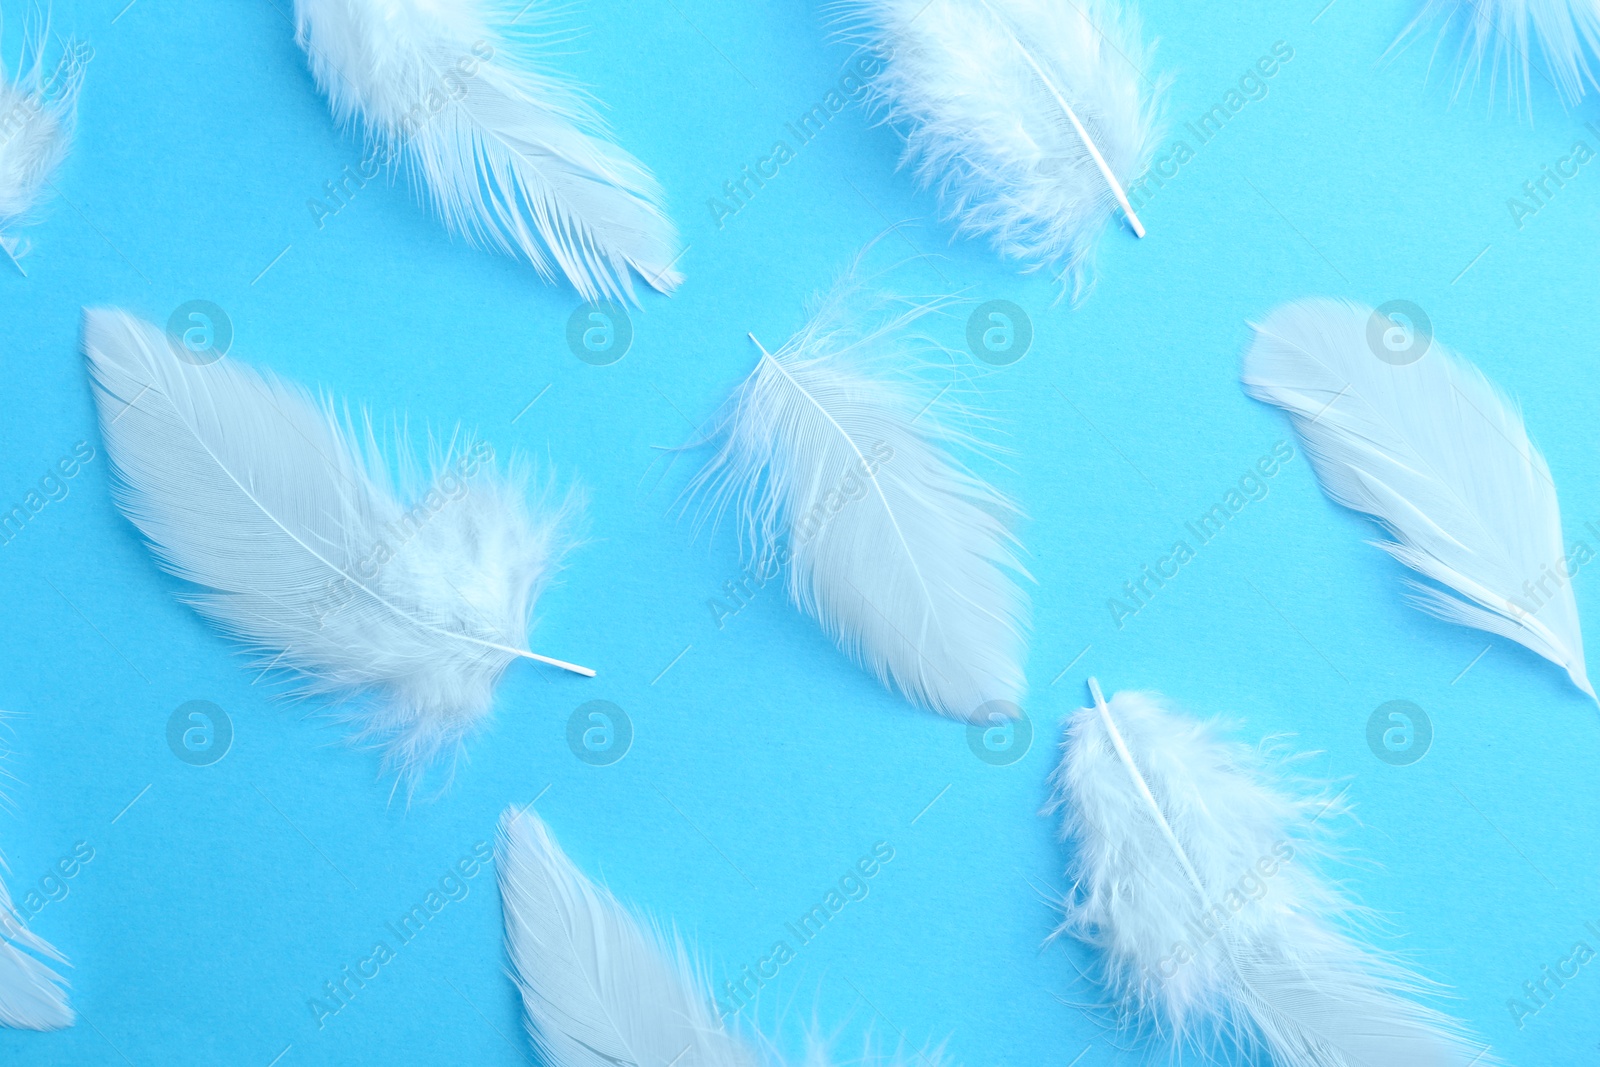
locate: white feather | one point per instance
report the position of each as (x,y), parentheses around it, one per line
(599,987)
(1434,452)
(1207,937)
(1501,34)
(306,551)
(838,453)
(510,154)
(1027,117)
(32,996)
(38,111)
(602,987)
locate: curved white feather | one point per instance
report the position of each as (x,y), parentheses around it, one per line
(511,154)
(602,987)
(1027,117)
(38,110)
(306,553)
(32,995)
(841,464)
(1194,879)
(599,987)
(1433,451)
(1501,35)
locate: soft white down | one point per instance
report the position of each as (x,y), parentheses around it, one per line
(1194,873)
(1399,427)
(510,153)
(412,592)
(840,456)
(1004,106)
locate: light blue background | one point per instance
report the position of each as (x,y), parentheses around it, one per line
(764,763)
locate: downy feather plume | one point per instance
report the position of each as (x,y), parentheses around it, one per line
(38,110)
(1028,118)
(1402,429)
(509,153)
(1195,882)
(414,592)
(839,456)
(1501,34)
(602,987)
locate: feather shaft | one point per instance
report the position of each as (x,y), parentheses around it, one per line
(1072,116)
(587,672)
(861,457)
(1144,788)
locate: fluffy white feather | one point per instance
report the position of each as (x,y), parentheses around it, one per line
(307,552)
(510,153)
(1434,452)
(1195,880)
(1501,34)
(840,458)
(1028,118)
(38,109)
(602,987)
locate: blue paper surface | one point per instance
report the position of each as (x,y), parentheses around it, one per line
(220,900)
